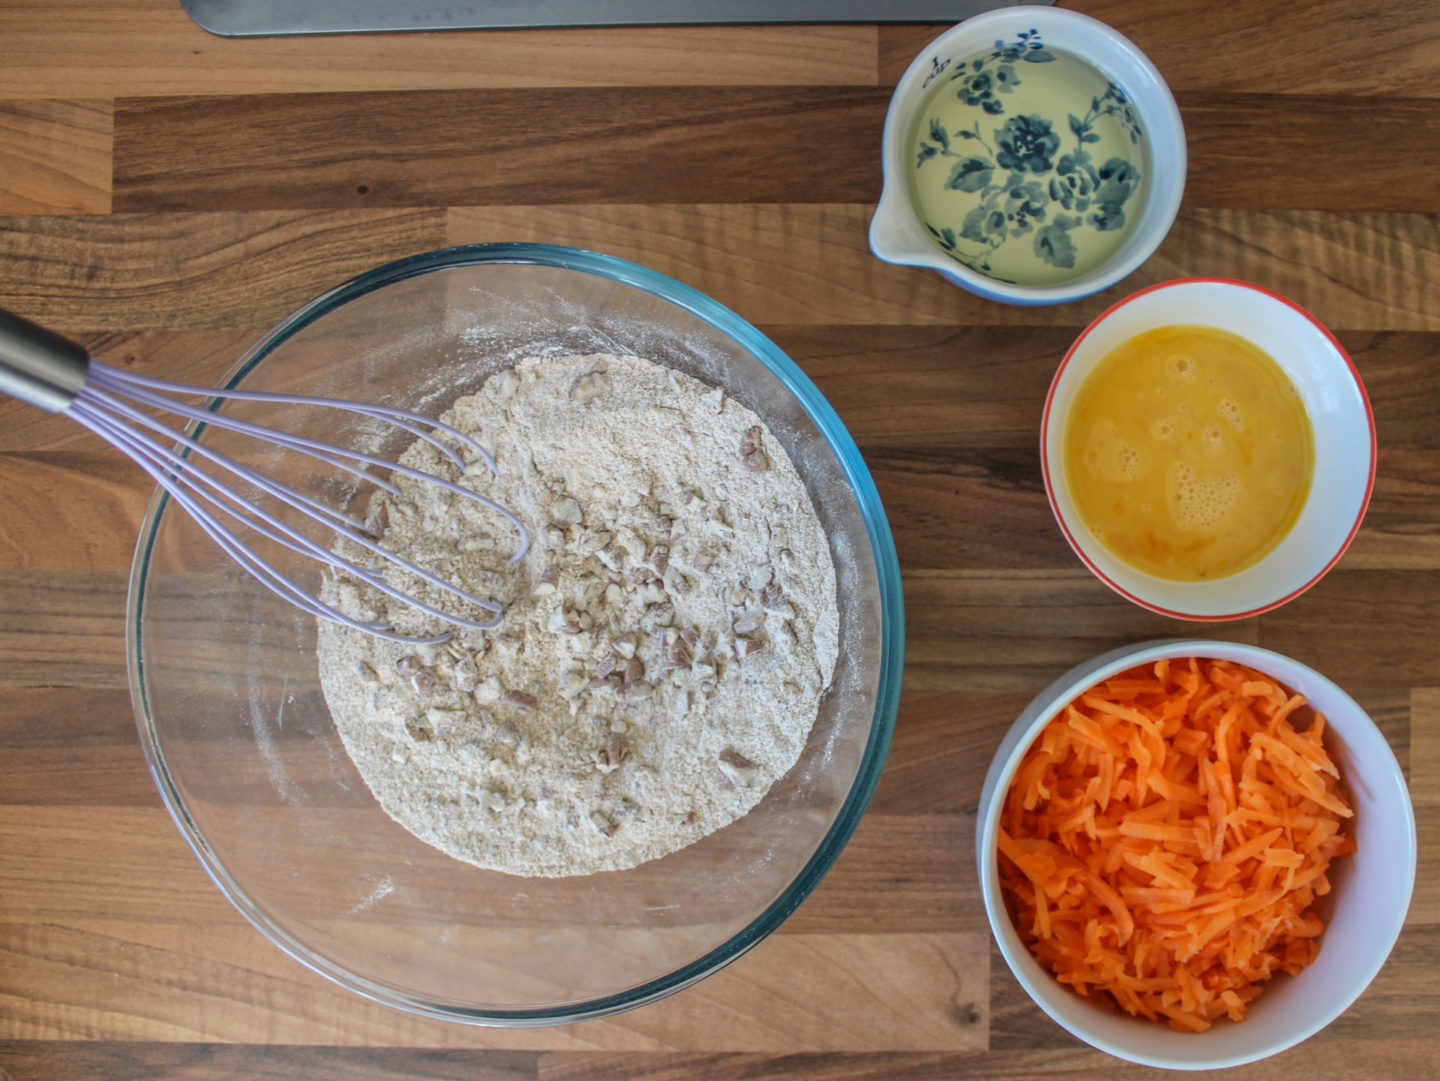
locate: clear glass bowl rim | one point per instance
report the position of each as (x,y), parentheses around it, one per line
(891,645)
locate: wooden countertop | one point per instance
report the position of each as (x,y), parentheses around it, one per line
(165,195)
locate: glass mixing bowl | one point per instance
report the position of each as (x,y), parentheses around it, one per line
(242,745)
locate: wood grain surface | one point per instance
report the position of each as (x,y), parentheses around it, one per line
(166,196)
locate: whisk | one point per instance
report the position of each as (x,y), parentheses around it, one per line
(53,373)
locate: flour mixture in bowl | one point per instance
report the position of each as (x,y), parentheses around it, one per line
(666,640)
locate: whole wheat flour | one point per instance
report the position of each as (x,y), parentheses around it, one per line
(666,642)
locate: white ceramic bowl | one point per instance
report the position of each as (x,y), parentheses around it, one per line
(1364,911)
(1340,416)
(897,234)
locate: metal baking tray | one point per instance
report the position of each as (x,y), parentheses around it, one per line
(247,18)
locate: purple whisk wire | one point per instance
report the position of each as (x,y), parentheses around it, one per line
(102,407)
(137,388)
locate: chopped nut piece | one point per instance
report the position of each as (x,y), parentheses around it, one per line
(593,542)
(408,665)
(736,768)
(520,700)
(545,584)
(676,582)
(368,675)
(751,456)
(443,721)
(567,621)
(423,680)
(603,822)
(589,387)
(465,675)
(421,729)
(639,691)
(588,590)
(651,593)
(608,758)
(378,522)
(634,670)
(626,539)
(748,623)
(626,644)
(746,647)
(566,512)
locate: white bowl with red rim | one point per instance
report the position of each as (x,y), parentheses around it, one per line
(1340,415)
(1364,911)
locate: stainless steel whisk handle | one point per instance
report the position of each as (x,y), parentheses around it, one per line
(39,366)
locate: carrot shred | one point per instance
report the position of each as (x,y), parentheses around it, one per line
(1164,846)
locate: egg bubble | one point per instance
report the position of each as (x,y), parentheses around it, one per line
(1181,368)
(1165,429)
(1196,502)
(1110,456)
(1231,413)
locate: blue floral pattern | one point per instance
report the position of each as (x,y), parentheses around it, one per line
(1027,144)
(1027,186)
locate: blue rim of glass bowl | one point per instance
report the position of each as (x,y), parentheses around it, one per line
(892,645)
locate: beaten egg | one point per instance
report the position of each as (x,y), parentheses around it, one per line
(1188,453)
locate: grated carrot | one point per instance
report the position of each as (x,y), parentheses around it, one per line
(1165,844)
